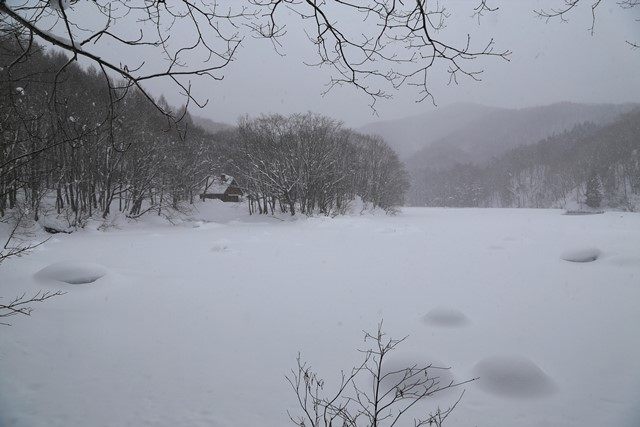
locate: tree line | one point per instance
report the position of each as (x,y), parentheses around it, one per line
(76,147)
(311,163)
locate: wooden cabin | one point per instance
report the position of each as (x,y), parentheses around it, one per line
(223,187)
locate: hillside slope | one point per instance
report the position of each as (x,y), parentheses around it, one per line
(552,172)
(500,130)
(411,134)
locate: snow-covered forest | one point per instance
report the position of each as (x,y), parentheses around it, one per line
(471,155)
(84,150)
(555,172)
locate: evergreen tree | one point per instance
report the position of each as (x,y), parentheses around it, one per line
(594,191)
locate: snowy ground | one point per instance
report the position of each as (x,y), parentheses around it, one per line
(197,324)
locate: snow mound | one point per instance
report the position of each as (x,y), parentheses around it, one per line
(72,272)
(581,255)
(393,373)
(445,317)
(513,376)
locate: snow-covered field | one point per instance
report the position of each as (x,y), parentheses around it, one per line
(196,324)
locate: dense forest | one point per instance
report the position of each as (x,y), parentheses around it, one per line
(73,147)
(590,165)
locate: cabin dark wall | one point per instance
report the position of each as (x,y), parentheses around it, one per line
(223,197)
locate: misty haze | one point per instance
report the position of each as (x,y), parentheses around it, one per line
(319,213)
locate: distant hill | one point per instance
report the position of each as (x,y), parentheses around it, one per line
(210,125)
(409,135)
(500,130)
(553,172)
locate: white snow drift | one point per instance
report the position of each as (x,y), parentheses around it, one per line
(446,317)
(72,272)
(581,255)
(513,376)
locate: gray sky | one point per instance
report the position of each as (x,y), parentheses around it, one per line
(551,62)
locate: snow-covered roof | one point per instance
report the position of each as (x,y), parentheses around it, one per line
(218,184)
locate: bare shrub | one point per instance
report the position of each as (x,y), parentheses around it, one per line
(370,394)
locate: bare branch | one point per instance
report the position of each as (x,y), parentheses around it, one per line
(386,403)
(568,6)
(21,305)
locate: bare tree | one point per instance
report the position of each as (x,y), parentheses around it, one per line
(396,44)
(310,163)
(383,397)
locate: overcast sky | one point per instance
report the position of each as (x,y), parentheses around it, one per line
(551,62)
